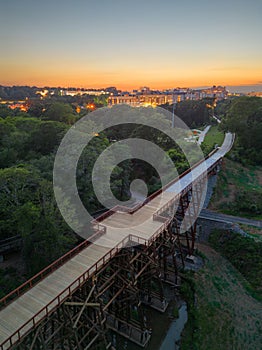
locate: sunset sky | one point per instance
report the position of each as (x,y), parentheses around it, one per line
(161,44)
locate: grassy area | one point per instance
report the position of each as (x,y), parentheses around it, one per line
(238,190)
(222,314)
(244,253)
(255,232)
(213,137)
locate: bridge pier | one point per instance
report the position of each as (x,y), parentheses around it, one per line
(111,289)
(78,324)
(113,298)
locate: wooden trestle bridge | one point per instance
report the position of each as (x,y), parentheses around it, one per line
(102,285)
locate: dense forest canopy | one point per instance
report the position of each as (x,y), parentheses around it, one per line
(29,141)
(194,113)
(28,144)
(243,116)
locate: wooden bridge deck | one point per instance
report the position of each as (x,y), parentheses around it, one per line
(22,314)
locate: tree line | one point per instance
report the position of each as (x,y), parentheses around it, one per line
(243,116)
(28,144)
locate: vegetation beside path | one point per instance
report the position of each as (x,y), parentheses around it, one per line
(222,313)
(238,190)
(245,254)
(213,138)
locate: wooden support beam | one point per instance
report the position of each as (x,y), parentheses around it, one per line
(114,297)
(75,303)
(84,305)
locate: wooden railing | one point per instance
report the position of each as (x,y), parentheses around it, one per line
(77,283)
(50,268)
(59,299)
(132,210)
(117,208)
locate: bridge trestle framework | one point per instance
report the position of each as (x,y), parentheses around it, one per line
(112,294)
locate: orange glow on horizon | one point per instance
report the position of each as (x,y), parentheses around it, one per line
(122,44)
(135,84)
(126,77)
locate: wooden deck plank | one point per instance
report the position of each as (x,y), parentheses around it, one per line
(12,320)
(4,331)
(91,255)
(98,249)
(84,261)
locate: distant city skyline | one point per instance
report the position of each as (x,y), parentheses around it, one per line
(98,43)
(231,88)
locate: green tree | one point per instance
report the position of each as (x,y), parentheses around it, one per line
(244,117)
(5,111)
(17,187)
(61,112)
(193,113)
(36,108)
(28,208)
(46,137)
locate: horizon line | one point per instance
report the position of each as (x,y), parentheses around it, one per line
(140,86)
